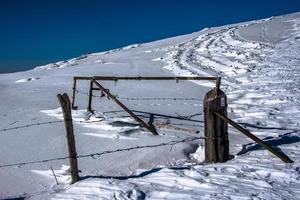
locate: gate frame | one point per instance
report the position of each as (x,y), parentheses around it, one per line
(215,110)
(94,80)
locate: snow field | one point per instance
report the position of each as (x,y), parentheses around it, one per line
(258,63)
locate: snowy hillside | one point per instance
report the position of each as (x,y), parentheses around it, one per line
(259,65)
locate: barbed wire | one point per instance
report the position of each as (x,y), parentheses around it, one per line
(153,105)
(45,123)
(99,154)
(160,98)
(49,122)
(173,142)
(34,162)
(31,125)
(247,125)
(144,98)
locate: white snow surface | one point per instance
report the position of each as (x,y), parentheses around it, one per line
(259,65)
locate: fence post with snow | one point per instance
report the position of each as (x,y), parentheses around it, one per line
(66,108)
(216,129)
(89,108)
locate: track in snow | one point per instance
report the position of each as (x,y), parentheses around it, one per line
(262,86)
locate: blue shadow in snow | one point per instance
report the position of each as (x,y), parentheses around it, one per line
(143,174)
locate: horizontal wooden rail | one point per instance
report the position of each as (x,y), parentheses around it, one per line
(176,78)
(280,155)
(138,78)
(115,78)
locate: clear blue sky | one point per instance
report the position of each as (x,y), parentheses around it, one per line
(38,32)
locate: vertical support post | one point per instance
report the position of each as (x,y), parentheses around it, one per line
(151,121)
(89,108)
(66,108)
(218,83)
(74,93)
(216,129)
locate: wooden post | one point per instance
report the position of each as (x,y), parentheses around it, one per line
(74,93)
(216,130)
(89,108)
(151,121)
(66,108)
(218,83)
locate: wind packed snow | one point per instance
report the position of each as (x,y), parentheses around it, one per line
(259,65)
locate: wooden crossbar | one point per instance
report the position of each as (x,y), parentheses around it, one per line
(138,78)
(139,120)
(115,78)
(280,155)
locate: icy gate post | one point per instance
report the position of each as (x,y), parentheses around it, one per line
(216,130)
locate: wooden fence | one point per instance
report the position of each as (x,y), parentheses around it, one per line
(215,119)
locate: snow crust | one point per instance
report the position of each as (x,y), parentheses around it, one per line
(259,65)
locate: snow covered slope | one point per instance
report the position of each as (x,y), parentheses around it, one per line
(259,65)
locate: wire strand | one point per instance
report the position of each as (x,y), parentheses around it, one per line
(92,155)
(144,98)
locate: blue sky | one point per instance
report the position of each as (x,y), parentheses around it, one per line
(39,32)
